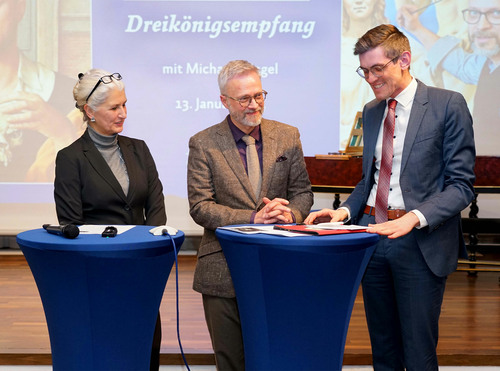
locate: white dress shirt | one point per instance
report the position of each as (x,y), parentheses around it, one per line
(403,110)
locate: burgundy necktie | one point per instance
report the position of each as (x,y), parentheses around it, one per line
(384,178)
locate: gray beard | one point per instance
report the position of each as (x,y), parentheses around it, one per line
(253,124)
(250,123)
(486,52)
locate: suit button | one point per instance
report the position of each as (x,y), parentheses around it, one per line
(127,208)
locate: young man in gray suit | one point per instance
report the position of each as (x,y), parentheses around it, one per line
(429,181)
(222,191)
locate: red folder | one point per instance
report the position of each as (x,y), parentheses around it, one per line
(318,232)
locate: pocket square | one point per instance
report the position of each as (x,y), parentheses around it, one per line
(281,159)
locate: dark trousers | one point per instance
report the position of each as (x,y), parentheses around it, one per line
(223,322)
(154,364)
(402,303)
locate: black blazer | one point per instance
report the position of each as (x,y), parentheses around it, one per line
(87,192)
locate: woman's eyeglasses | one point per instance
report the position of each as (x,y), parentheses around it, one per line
(105,80)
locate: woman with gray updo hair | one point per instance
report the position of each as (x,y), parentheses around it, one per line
(86,92)
(96,172)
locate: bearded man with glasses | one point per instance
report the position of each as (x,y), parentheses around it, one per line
(480,66)
(243,170)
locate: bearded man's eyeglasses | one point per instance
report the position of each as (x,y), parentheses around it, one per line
(472,16)
(246,100)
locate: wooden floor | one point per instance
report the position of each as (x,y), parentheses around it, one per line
(469,326)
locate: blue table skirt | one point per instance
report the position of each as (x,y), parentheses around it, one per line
(295,295)
(101,296)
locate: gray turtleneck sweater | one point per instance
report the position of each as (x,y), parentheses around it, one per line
(110,151)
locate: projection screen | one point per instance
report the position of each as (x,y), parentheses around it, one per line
(169,53)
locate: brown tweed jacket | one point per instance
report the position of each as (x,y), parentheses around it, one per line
(220,193)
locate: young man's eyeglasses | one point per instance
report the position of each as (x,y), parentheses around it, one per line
(105,80)
(246,100)
(472,16)
(377,70)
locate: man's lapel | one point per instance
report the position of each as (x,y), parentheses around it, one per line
(415,121)
(269,154)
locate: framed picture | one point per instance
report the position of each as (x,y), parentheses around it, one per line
(355,142)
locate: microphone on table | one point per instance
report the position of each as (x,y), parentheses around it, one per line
(65,230)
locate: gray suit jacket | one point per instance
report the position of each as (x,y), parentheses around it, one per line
(437,171)
(220,192)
